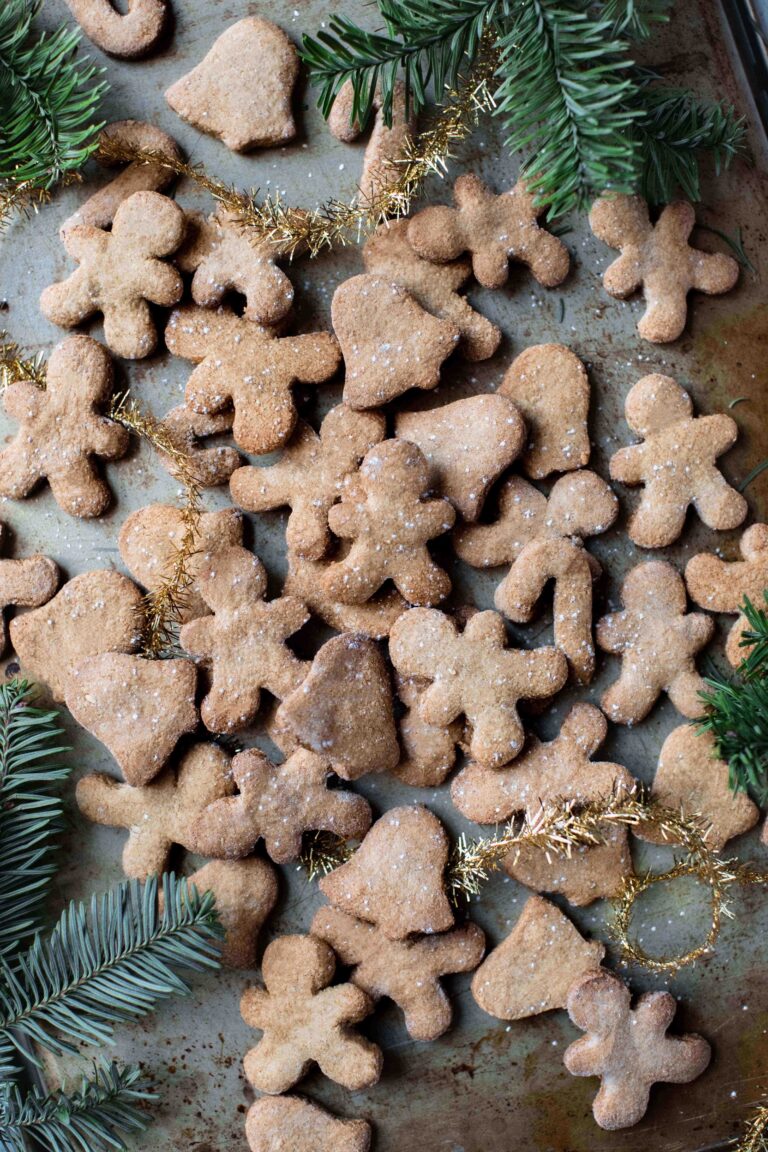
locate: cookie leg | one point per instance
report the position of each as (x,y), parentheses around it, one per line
(572,612)
(427,1012)
(496,737)
(129,331)
(354,579)
(420,581)
(629,700)
(685,693)
(719,505)
(79,490)
(18,475)
(658,519)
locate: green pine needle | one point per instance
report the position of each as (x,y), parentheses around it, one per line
(636,18)
(736,245)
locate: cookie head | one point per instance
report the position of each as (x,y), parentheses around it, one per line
(654,403)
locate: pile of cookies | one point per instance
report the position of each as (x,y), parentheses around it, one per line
(379,497)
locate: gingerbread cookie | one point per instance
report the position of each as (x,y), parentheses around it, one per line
(390,344)
(407,971)
(244,641)
(125,35)
(561,769)
(435,287)
(138,708)
(429,750)
(657,641)
(161,813)
(628,1048)
(250,367)
(550,387)
(241,90)
(305,1021)
(473,673)
(309,474)
(387,145)
(658,259)
(675,463)
(61,430)
(467,444)
(535,965)
(395,879)
(98,611)
(543,538)
(209,467)
(494,230)
(246,893)
(121,273)
(26,583)
(283,1123)
(722,585)
(343,710)
(278,803)
(386,512)
(374,618)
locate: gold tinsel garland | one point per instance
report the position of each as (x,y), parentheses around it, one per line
(16,367)
(23,198)
(755,1138)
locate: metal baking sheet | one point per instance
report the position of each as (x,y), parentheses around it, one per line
(484,1086)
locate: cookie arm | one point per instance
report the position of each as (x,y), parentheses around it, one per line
(311,359)
(713,272)
(225,830)
(70,301)
(627,466)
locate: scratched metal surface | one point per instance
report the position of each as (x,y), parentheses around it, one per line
(483,1087)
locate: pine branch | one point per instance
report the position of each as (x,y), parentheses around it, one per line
(92,1118)
(636,18)
(30,811)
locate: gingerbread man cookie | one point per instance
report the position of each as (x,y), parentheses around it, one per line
(723,585)
(675,463)
(658,258)
(210,467)
(121,273)
(282,1123)
(26,583)
(305,1021)
(125,35)
(494,230)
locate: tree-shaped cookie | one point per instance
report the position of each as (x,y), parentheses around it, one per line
(26,583)
(277,803)
(561,769)
(722,585)
(245,892)
(279,1123)
(244,641)
(209,466)
(657,641)
(473,673)
(225,258)
(435,287)
(628,1048)
(494,230)
(407,971)
(675,463)
(389,342)
(121,273)
(542,538)
(308,476)
(550,387)
(305,1021)
(395,879)
(658,258)
(61,430)
(386,512)
(161,813)
(243,364)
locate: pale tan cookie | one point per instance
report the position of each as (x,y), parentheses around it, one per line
(722,585)
(161,813)
(250,367)
(561,769)
(210,467)
(386,512)
(473,673)
(61,430)
(435,287)
(386,147)
(467,444)
(628,1048)
(99,209)
(374,618)
(407,971)
(343,710)
(138,708)
(225,258)
(121,273)
(124,34)
(98,611)
(550,387)
(657,641)
(428,750)
(246,893)
(244,642)
(395,879)
(278,803)
(290,1124)
(658,259)
(675,463)
(26,583)
(692,779)
(494,230)
(305,1021)
(390,344)
(241,90)
(308,476)
(543,539)
(150,538)
(535,965)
